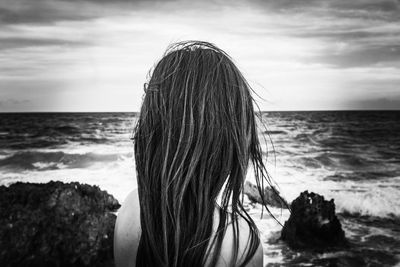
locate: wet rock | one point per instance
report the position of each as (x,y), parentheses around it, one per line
(271,196)
(56,224)
(313,224)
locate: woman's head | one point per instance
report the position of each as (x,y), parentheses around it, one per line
(195,137)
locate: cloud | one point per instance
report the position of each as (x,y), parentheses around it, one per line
(344,8)
(351,33)
(305,54)
(40,11)
(12,104)
(353,56)
(52,11)
(377,104)
(23,42)
(8,102)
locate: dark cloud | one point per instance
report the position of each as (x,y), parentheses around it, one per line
(342,34)
(383,55)
(44,11)
(50,11)
(356,33)
(377,8)
(14,105)
(23,42)
(8,102)
(344,7)
(38,12)
(383,103)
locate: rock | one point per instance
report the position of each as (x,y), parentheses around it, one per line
(271,196)
(313,224)
(56,224)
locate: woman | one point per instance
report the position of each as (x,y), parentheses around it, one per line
(194,138)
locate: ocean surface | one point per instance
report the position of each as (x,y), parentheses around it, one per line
(350,156)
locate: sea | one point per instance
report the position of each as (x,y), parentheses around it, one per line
(352,157)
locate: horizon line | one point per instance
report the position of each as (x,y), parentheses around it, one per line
(137,112)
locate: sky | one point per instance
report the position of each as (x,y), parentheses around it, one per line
(95,55)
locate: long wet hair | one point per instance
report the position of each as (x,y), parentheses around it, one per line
(194,139)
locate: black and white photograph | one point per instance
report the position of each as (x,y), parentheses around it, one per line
(213,133)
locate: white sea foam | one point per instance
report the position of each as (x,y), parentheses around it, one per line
(46,165)
(374,201)
(74,148)
(118,177)
(379,198)
(376,198)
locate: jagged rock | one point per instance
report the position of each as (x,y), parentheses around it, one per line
(313,224)
(271,198)
(56,224)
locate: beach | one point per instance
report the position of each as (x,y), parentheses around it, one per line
(352,157)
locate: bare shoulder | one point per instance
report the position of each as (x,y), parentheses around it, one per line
(244,239)
(127,231)
(127,236)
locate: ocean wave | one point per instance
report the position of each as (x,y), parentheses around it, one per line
(308,162)
(275,132)
(331,160)
(68,129)
(36,160)
(53,140)
(374,201)
(364,175)
(342,160)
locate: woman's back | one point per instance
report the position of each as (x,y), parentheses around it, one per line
(128,231)
(195,137)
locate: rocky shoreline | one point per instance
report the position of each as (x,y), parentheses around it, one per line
(56,224)
(313,224)
(72,224)
(272,196)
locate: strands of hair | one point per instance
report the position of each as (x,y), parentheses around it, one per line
(194,139)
